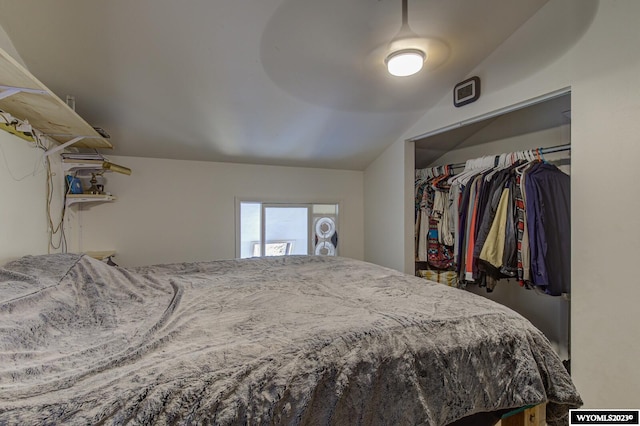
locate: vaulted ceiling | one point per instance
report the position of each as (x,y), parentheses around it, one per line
(282,82)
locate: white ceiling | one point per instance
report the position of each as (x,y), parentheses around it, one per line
(282,82)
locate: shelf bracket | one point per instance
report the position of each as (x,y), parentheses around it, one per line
(64,145)
(10,91)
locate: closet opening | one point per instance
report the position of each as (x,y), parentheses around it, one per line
(537,133)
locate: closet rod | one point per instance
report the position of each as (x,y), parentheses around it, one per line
(548,150)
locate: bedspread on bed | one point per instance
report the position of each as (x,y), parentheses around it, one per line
(291,340)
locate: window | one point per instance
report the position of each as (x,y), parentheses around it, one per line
(281,229)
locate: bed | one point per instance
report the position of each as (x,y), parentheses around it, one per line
(297,340)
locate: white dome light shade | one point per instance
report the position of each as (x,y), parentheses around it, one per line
(405,62)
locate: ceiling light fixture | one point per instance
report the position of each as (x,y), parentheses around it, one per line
(407,61)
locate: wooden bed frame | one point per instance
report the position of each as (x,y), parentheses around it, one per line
(532,416)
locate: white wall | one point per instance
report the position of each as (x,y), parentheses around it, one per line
(174,210)
(591,46)
(23,214)
(388,184)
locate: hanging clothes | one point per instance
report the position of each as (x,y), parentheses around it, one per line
(523,255)
(435,236)
(492,251)
(495,185)
(506,216)
(548,192)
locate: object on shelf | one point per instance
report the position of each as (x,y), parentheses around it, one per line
(105,256)
(88,198)
(107,165)
(21,129)
(102,132)
(101,254)
(82,156)
(74,185)
(95,188)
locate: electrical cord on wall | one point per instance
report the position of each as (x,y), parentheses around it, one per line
(52,228)
(58,228)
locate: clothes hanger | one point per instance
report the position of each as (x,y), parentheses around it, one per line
(540,154)
(483,164)
(467,168)
(444,177)
(503,163)
(474,166)
(529,158)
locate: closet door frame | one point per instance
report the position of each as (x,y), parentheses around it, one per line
(487,116)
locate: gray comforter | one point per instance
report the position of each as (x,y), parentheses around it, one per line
(287,341)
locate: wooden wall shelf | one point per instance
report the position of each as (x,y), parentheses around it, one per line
(23,96)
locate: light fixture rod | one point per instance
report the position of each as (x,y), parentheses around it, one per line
(405,30)
(405,13)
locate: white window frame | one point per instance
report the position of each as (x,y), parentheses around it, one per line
(281,203)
